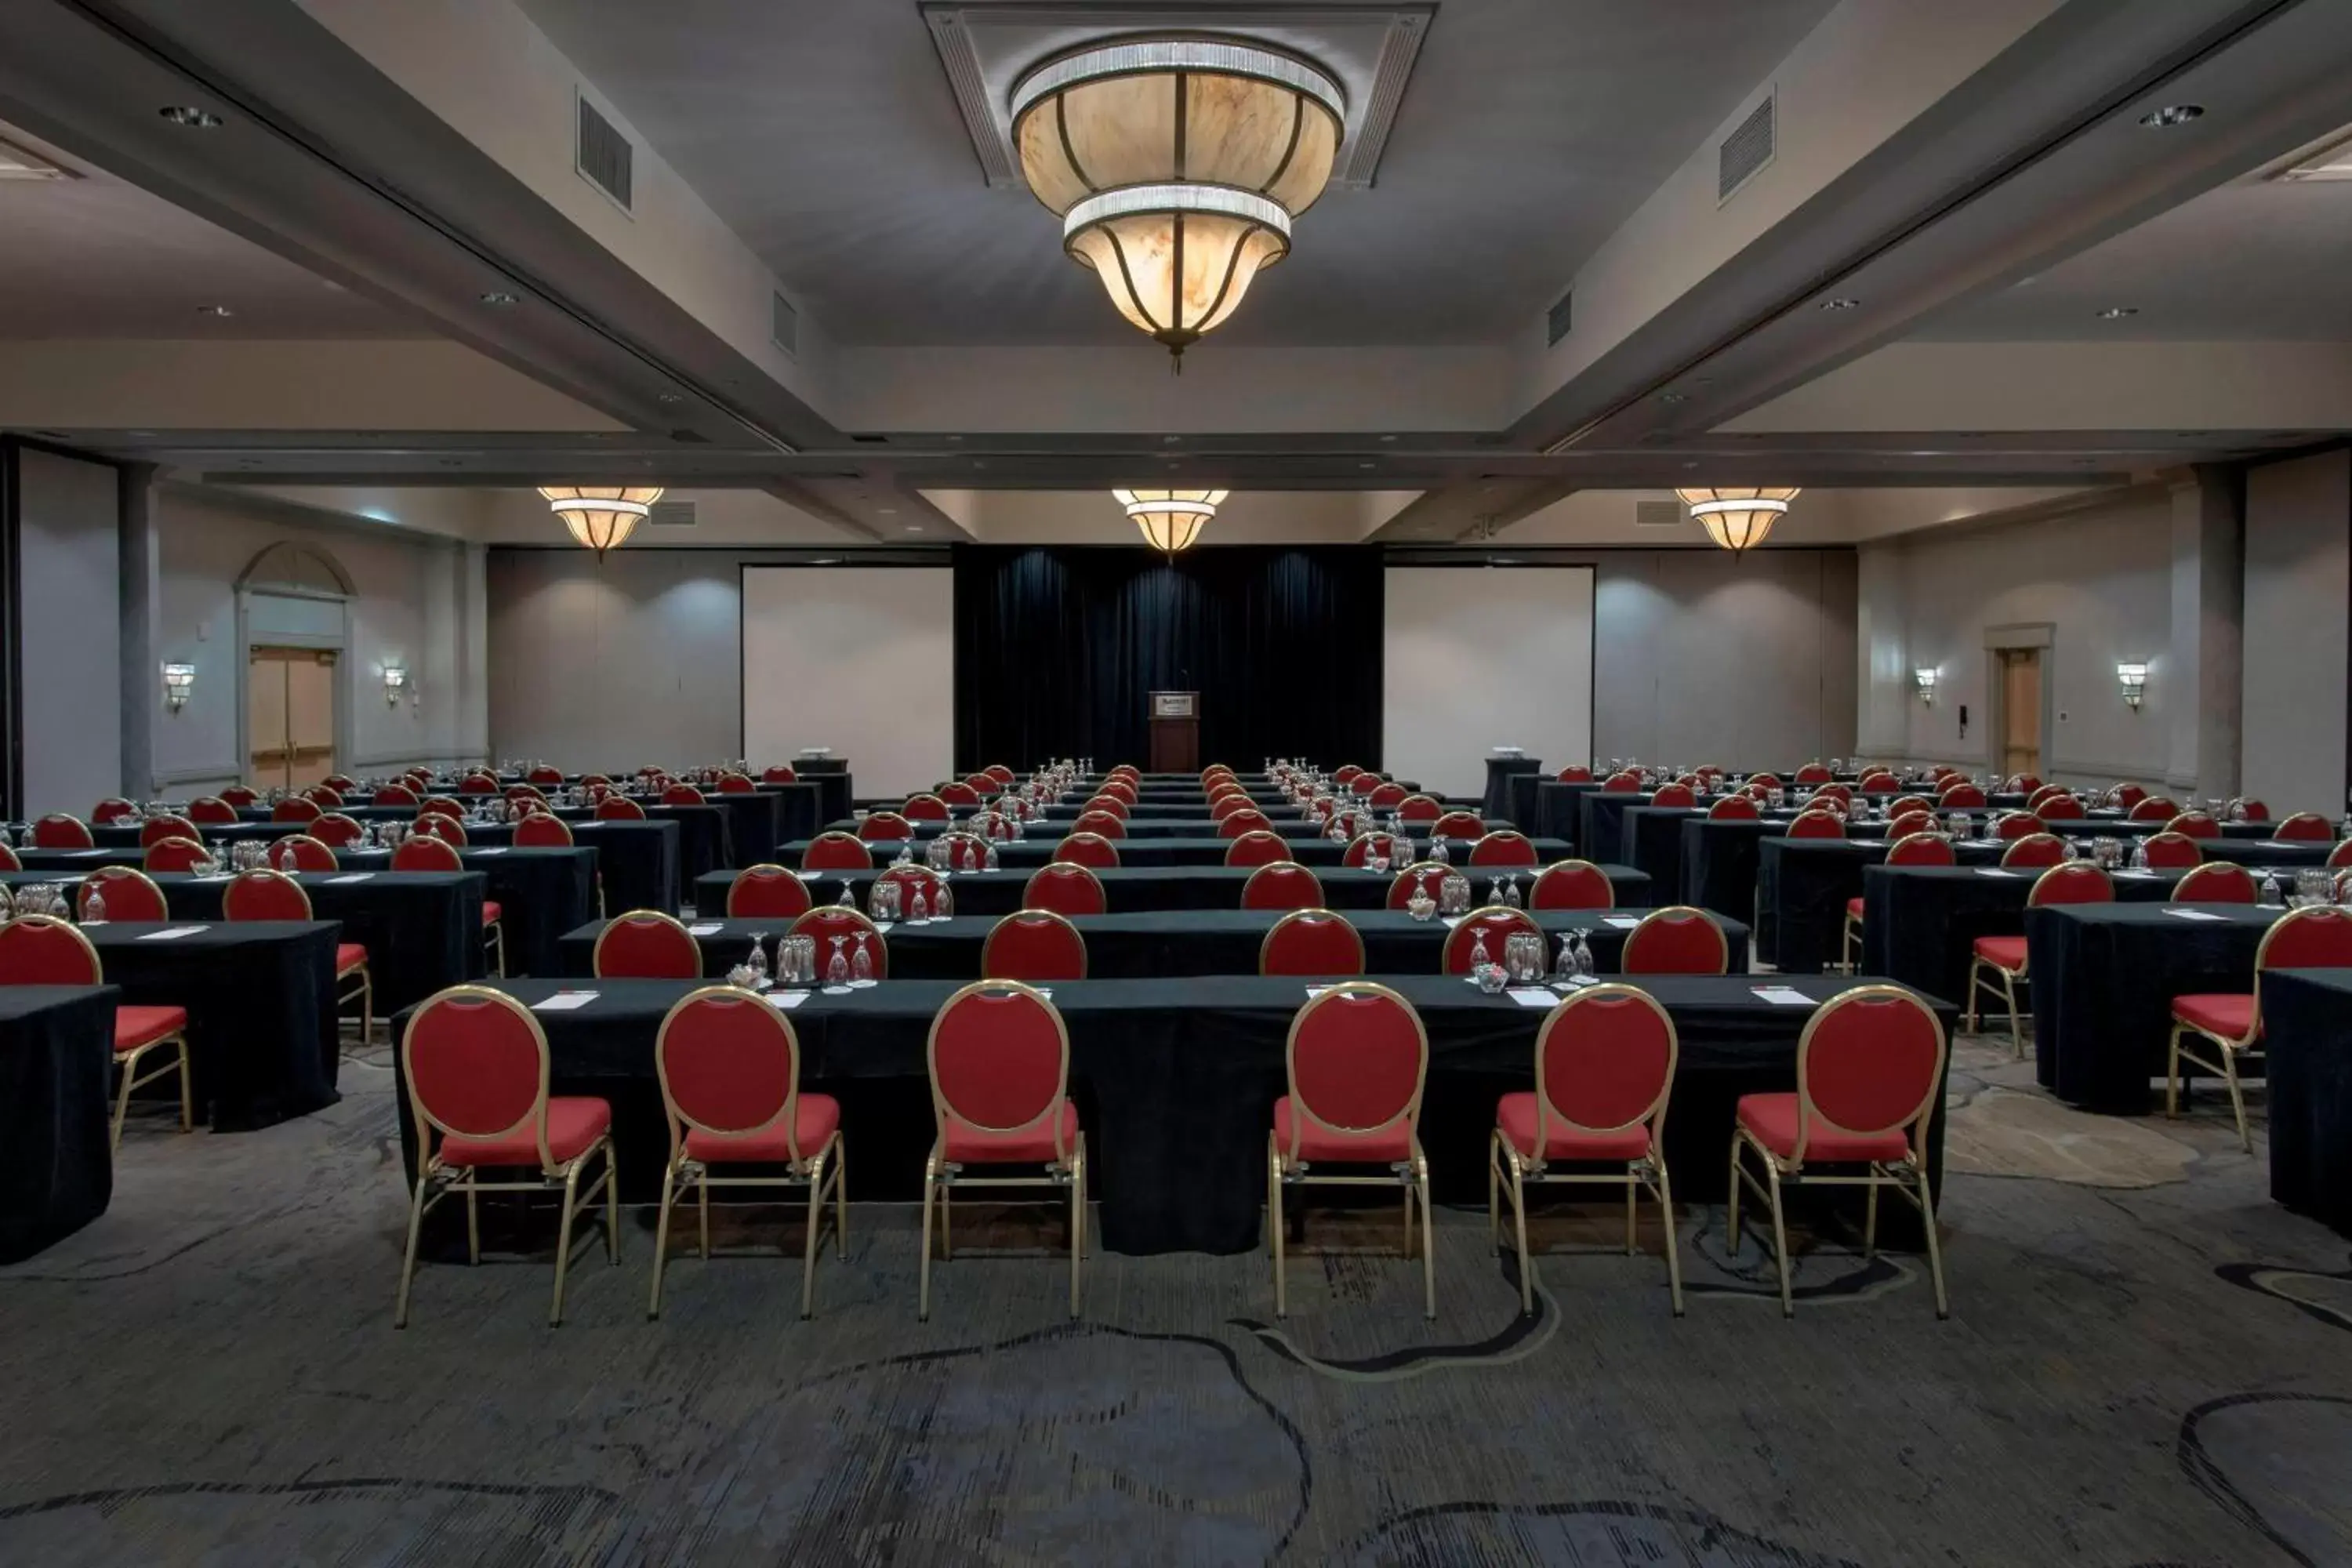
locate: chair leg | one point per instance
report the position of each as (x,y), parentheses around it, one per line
(2237,1098)
(563,1244)
(1870,1216)
(1631,1194)
(1780,1240)
(841,1197)
(367,1006)
(1494,1193)
(1275,1218)
(473,1227)
(702,1197)
(2016,1025)
(1731,1214)
(1408,1219)
(1520,1220)
(2174,1088)
(612,1205)
(946,1222)
(1666,1234)
(1976,978)
(1846,940)
(408,1254)
(808,1247)
(1078,1222)
(187,1090)
(1934,1248)
(923,1296)
(661,1239)
(1428,1244)
(123,1098)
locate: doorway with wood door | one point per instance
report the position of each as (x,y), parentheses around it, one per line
(2019,738)
(290,715)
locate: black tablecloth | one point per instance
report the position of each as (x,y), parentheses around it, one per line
(831,777)
(1556,808)
(260,997)
(2103,979)
(56,1044)
(1524,793)
(1140,828)
(1500,772)
(1802,889)
(1919,922)
(2307,1040)
(1176,1080)
(1158,942)
(1130,890)
(1038,849)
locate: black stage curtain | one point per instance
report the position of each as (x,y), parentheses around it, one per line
(1057,650)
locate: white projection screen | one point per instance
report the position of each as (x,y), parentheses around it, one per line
(1484,657)
(860,659)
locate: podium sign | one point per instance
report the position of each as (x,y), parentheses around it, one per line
(1175,717)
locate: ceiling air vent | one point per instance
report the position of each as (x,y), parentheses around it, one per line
(671,514)
(1561,315)
(1743,154)
(784,324)
(604,156)
(1657,514)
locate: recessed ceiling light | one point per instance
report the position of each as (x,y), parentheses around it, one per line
(1840,303)
(2172,114)
(1671,398)
(2118,312)
(1388,437)
(498,296)
(826,561)
(1363,465)
(887,510)
(214,310)
(914,528)
(1171,440)
(187,114)
(668,398)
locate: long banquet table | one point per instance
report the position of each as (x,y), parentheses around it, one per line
(2307,1043)
(56,1172)
(1036,851)
(1176,1078)
(1920,922)
(1053,830)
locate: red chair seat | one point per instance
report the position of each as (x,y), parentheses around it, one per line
(2217,1013)
(490,912)
(573,1121)
(1853,908)
(970,1146)
(349,956)
(137,1027)
(1385,1147)
(1772,1120)
(2002,952)
(820,1118)
(1515,1116)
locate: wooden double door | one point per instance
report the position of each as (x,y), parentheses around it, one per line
(289,716)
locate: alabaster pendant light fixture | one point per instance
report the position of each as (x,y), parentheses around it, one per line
(1737,517)
(601,517)
(1171,520)
(1176,165)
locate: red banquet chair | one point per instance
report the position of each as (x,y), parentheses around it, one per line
(955,791)
(1676,794)
(2012,825)
(2024,784)
(1282,885)
(2249,810)
(1574,774)
(1908,803)
(2305,825)
(241,796)
(1961,796)
(2059,807)
(1106,803)
(1364,785)
(981,784)
(1676,940)
(1817,824)
(41,950)
(441,806)
(1458,824)
(325,796)
(155,829)
(681,795)
(1362,847)
(1918,848)
(265,895)
(542,830)
(1261,846)
(1814,773)
(9,861)
(1493,923)
(837,851)
(1504,846)
(739,784)
(779,773)
(544,777)
(1386,796)
(301,852)
(1313,942)
(2069,882)
(2341,856)
(617,808)
(1105,825)
(1346,774)
(393,794)
(2152,808)
(175,855)
(338,831)
(1604,1069)
(1733,808)
(1357,1060)
(1088,848)
(478,781)
(1423,877)
(826,922)
(111,810)
(130,895)
(1878,781)
(211,811)
(2046,792)
(1038,946)
(922,808)
(1066,888)
(729,1067)
(2034,852)
(425,851)
(2124,796)
(431,825)
(2171,851)
(1249,819)
(1903,824)
(1870,1067)
(523,796)
(1003,775)
(1220,807)
(1419,808)
(1000,1070)
(1119,790)
(1572,885)
(2318,936)
(2216,882)
(766,892)
(882,826)
(646,945)
(1842,793)
(1622,783)
(475,1062)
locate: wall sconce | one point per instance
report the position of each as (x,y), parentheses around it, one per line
(395,678)
(1925,680)
(2134,682)
(179,679)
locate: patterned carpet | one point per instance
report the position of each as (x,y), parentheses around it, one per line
(2147,1363)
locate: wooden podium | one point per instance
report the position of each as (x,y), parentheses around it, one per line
(1175,732)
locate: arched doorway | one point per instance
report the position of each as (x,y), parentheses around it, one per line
(293,629)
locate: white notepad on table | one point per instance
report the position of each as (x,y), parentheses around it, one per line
(493,849)
(172,933)
(708,927)
(2195,915)
(786,1000)
(1622,922)
(1993,871)
(564,1001)
(1782,995)
(351,877)
(1532,996)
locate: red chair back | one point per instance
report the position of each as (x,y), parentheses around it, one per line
(1572,885)
(1604,1061)
(730,1064)
(1386,796)
(130,895)
(211,810)
(2070,882)
(9,861)
(1035,945)
(740,783)
(1814,774)
(922,808)
(1817,825)
(1678,941)
(326,796)
(1961,796)
(175,855)
(2318,936)
(1878,781)
(1839,793)
(301,852)
(424,852)
(1733,808)
(2196,824)
(1345,773)
(619,809)
(1363,784)
(1249,819)
(111,810)
(2126,795)
(1000,1062)
(2306,825)
(1920,849)
(2033,851)
(1088,848)
(1459,824)
(1119,788)
(42,950)
(1362,847)
(1103,824)
(767,891)
(264,895)
(1674,794)
(1492,923)
(1000,772)
(881,827)
(1311,942)
(1231,800)
(1426,876)
(2169,851)
(682,794)
(240,795)
(2251,810)
(1282,885)
(442,805)
(646,945)
(1504,846)
(2153,808)
(779,774)
(432,824)
(340,832)
(1574,774)
(837,851)
(478,783)
(1870,1060)
(545,777)
(1357,1059)
(2341,856)
(2012,825)
(524,795)
(2216,882)
(1764,781)
(1903,824)
(829,920)
(1066,888)
(1110,804)
(477,1065)
(2061,807)
(393,794)
(1902,804)
(955,791)
(155,829)
(1261,847)
(1419,808)
(1623,784)
(542,830)
(2049,791)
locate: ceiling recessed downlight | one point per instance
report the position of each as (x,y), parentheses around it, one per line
(498,296)
(2118,312)
(1840,303)
(189,115)
(2172,114)
(214,310)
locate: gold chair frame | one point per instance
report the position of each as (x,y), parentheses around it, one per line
(1315,913)
(1284,869)
(128,1061)
(988,945)
(639,917)
(363,992)
(1849,935)
(2231,1051)
(2069,869)
(1680,915)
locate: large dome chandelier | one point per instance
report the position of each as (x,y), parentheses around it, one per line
(1170,519)
(1737,517)
(1176,165)
(601,517)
